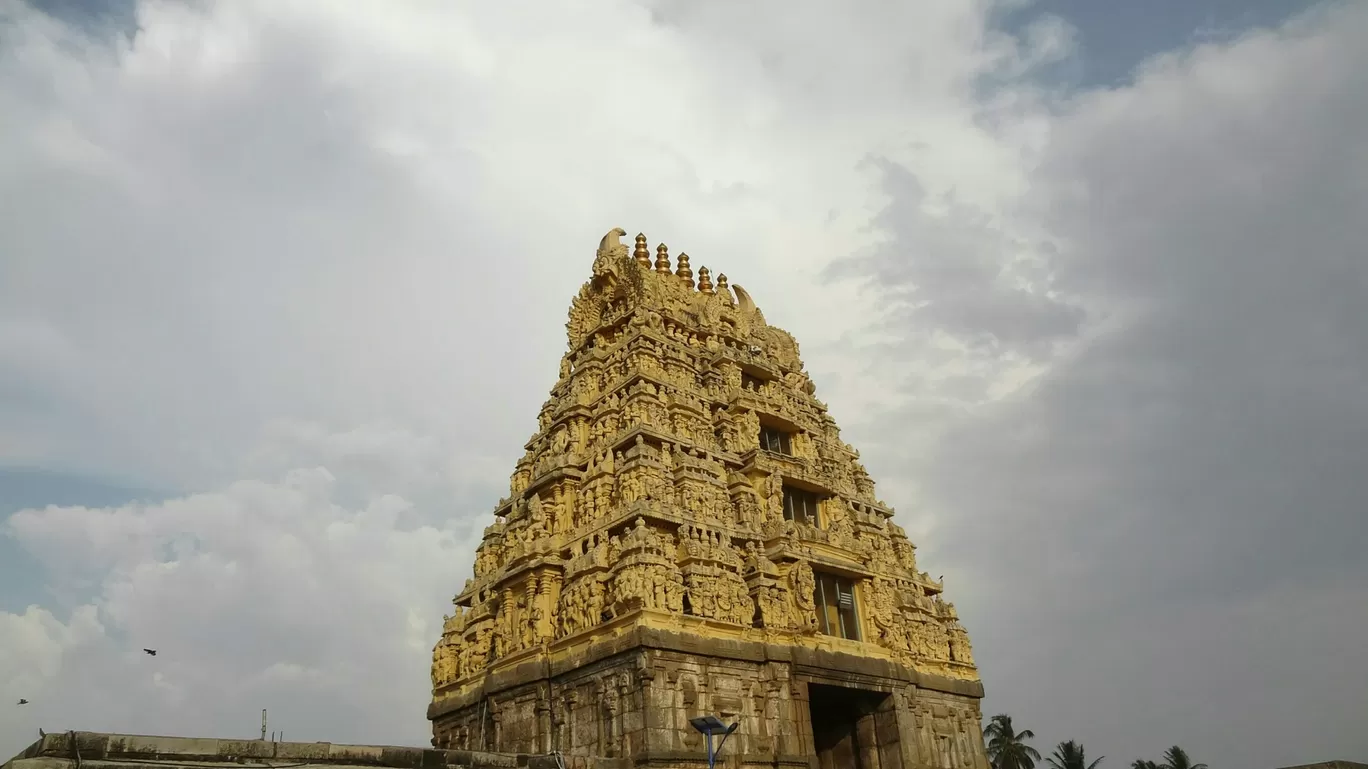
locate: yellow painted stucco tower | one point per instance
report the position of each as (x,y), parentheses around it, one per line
(687,534)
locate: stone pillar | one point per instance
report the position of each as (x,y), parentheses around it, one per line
(610,728)
(887,735)
(573,739)
(966,754)
(558,716)
(628,717)
(909,734)
(767,735)
(543,738)
(798,716)
(548,598)
(528,622)
(867,742)
(643,692)
(506,621)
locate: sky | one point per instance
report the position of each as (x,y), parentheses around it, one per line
(283,284)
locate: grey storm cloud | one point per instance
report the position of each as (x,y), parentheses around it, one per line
(1166,528)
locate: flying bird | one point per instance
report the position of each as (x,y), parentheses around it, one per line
(150,652)
(23,702)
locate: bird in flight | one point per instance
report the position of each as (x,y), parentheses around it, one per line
(23,702)
(150,652)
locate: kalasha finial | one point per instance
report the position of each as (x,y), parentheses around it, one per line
(684,272)
(663,258)
(705,281)
(722,283)
(642,253)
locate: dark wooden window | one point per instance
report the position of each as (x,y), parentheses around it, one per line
(775,440)
(835,598)
(800,506)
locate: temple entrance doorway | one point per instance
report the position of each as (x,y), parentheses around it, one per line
(853,728)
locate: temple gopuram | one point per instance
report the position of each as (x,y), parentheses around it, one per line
(687,535)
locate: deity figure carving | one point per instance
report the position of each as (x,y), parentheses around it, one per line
(840,529)
(803,583)
(888,619)
(536,526)
(959,647)
(774,497)
(776,607)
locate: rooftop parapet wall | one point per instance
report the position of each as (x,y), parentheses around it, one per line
(98,750)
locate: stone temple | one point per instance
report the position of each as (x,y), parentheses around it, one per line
(687,534)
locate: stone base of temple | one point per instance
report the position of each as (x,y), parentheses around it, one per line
(796,707)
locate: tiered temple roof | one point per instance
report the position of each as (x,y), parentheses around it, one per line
(684,475)
(687,533)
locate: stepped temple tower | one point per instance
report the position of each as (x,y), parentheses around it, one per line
(687,535)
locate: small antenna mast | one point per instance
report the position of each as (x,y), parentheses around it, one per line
(263,724)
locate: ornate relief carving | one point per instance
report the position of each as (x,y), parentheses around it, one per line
(644,488)
(804,584)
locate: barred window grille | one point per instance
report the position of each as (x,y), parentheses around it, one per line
(800,506)
(772,439)
(836,610)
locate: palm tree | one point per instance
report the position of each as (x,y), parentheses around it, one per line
(1069,755)
(1007,748)
(1141,763)
(1177,758)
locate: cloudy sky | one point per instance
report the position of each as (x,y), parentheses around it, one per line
(283,285)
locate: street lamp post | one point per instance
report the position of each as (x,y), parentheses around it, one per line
(710,725)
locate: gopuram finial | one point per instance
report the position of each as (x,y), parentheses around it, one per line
(663,259)
(642,252)
(705,281)
(684,272)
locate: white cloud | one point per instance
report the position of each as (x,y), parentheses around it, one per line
(348,210)
(35,642)
(261,594)
(1178,477)
(260,224)
(266,238)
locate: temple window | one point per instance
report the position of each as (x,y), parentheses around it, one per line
(751,382)
(835,598)
(800,506)
(775,440)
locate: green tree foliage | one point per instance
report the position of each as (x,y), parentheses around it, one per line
(1174,758)
(1069,755)
(1177,758)
(1007,748)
